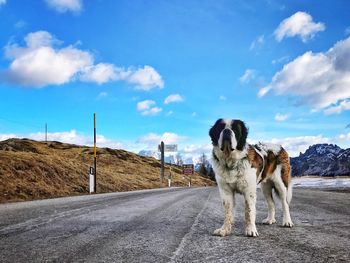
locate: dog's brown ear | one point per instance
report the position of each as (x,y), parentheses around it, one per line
(241,132)
(215,131)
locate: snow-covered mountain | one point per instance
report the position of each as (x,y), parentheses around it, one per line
(171,158)
(322,160)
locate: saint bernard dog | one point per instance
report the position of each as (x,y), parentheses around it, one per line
(239,167)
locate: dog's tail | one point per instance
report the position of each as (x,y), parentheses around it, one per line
(286,173)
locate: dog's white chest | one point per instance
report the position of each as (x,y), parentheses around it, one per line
(238,176)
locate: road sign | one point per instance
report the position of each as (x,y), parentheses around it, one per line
(168,148)
(188,169)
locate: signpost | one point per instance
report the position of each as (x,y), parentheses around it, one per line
(188,170)
(165,148)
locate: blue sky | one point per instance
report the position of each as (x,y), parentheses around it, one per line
(154,70)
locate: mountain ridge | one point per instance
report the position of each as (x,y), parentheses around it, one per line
(322,160)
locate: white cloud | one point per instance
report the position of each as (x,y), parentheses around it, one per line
(223,98)
(155,139)
(100,73)
(248,75)
(320,80)
(173,98)
(300,24)
(39,63)
(344,137)
(145,78)
(2,2)
(281,117)
(6,136)
(295,145)
(343,105)
(72,137)
(257,42)
(63,6)
(146,107)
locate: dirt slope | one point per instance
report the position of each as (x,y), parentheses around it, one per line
(32,170)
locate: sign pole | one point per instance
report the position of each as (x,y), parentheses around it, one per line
(162,161)
(95,155)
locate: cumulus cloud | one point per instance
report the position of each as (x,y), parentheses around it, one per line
(248,75)
(281,117)
(155,139)
(300,24)
(100,73)
(72,137)
(173,98)
(147,107)
(40,63)
(257,42)
(145,78)
(319,80)
(63,6)
(296,145)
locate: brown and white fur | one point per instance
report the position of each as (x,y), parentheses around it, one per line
(239,167)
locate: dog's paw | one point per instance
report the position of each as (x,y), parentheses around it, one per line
(288,223)
(222,232)
(269,221)
(250,231)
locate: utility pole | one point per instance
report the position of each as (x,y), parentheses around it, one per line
(95,155)
(161,161)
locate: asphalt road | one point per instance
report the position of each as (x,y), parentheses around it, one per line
(173,225)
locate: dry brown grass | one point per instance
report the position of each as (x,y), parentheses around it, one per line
(32,170)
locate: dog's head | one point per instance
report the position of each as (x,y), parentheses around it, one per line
(229,135)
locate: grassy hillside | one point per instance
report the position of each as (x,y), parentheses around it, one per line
(32,170)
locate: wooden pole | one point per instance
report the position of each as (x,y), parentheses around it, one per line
(95,155)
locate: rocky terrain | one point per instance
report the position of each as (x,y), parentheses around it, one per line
(32,170)
(322,160)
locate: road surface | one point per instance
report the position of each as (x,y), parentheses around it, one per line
(173,225)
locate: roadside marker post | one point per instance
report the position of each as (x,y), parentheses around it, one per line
(169,177)
(91,179)
(161,148)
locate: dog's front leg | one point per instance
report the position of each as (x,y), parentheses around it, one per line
(228,202)
(250,214)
